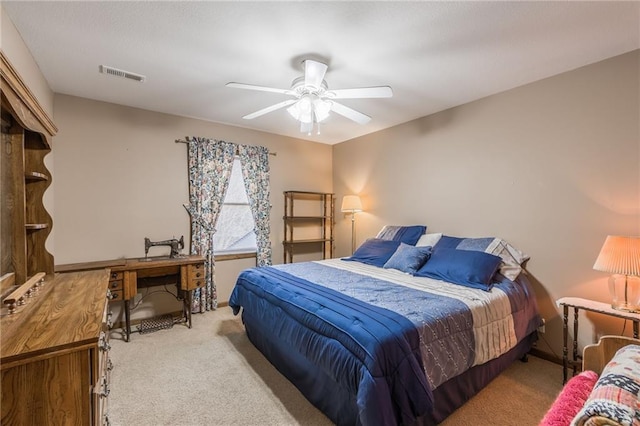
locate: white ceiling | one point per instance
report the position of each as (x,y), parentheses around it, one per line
(435,55)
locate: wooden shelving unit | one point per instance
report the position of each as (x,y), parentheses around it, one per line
(313,213)
(26,139)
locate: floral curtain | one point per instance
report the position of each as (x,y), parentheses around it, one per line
(255,171)
(210,164)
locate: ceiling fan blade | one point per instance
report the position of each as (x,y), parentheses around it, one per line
(259,88)
(314,73)
(350,113)
(269,109)
(362,92)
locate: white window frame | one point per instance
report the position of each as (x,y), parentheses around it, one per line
(235,173)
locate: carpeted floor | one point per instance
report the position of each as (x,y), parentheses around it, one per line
(212,375)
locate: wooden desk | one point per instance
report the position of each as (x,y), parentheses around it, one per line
(578,303)
(127,275)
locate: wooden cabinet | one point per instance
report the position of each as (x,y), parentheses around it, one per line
(55,354)
(26,140)
(308,223)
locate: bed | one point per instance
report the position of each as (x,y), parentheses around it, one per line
(374,345)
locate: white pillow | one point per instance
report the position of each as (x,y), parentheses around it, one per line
(429,239)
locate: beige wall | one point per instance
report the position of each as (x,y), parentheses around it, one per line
(20,57)
(552,167)
(120,177)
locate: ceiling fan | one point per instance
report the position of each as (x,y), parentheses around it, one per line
(313,101)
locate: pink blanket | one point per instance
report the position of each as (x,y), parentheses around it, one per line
(570,400)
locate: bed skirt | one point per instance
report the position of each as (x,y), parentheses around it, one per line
(339,405)
(453,393)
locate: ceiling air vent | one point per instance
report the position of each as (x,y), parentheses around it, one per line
(121,73)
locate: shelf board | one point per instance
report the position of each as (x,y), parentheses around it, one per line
(307,193)
(306,217)
(34,176)
(35,226)
(315,240)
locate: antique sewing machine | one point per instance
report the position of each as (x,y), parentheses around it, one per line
(176,246)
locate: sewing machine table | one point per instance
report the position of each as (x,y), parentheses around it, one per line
(127,275)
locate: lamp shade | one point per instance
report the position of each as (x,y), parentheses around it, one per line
(619,255)
(351,204)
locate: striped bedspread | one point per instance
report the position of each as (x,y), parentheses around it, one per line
(459,327)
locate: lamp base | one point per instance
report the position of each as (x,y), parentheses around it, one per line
(625,293)
(626,308)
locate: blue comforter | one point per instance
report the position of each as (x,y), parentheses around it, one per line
(354,338)
(372,353)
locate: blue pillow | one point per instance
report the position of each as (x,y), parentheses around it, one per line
(473,269)
(374,251)
(512,258)
(408,258)
(406,234)
(447,242)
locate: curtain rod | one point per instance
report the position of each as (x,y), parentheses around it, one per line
(183,141)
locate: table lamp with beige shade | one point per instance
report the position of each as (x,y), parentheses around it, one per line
(620,256)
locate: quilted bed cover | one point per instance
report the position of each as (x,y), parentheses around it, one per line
(379,339)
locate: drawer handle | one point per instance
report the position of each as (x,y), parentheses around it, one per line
(104,392)
(114,275)
(114,284)
(198,275)
(102,342)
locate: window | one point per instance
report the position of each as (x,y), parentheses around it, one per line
(235,227)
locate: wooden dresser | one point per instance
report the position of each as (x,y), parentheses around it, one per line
(55,353)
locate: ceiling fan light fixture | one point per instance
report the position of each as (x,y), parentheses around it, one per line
(301,111)
(321,109)
(309,109)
